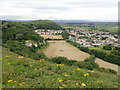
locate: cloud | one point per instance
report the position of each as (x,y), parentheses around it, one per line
(59,9)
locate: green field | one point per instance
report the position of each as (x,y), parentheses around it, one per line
(21,72)
(100,48)
(104,27)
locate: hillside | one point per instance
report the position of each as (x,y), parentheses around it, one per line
(42,24)
(22,40)
(21,72)
(26,66)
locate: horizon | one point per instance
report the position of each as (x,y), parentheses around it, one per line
(69,20)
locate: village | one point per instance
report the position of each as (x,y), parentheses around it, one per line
(86,38)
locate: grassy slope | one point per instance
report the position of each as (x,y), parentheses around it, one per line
(0,67)
(26,72)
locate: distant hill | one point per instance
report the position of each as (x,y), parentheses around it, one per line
(82,22)
(38,24)
(70,21)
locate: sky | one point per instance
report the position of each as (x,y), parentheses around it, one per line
(95,10)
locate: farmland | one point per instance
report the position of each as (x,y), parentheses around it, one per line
(52,36)
(61,48)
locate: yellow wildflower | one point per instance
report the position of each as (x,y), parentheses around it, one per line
(8,56)
(23,82)
(60,64)
(83,85)
(42,60)
(14,81)
(66,75)
(77,84)
(30,65)
(20,57)
(33,62)
(8,63)
(78,69)
(92,71)
(87,74)
(10,80)
(60,87)
(20,84)
(60,80)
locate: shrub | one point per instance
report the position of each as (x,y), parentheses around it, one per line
(112,71)
(62,60)
(38,56)
(90,59)
(101,69)
(107,47)
(95,65)
(58,60)
(88,66)
(85,65)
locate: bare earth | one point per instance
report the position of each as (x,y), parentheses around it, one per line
(62,48)
(52,36)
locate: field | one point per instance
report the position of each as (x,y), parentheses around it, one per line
(113,29)
(62,48)
(52,36)
(22,72)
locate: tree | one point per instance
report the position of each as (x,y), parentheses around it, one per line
(107,47)
(65,35)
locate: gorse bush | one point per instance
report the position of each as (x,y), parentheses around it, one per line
(90,59)
(62,60)
(87,64)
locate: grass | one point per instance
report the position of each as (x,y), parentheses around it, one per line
(28,73)
(100,48)
(113,29)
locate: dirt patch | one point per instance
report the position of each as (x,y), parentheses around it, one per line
(52,36)
(106,64)
(62,48)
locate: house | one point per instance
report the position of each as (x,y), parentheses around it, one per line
(28,43)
